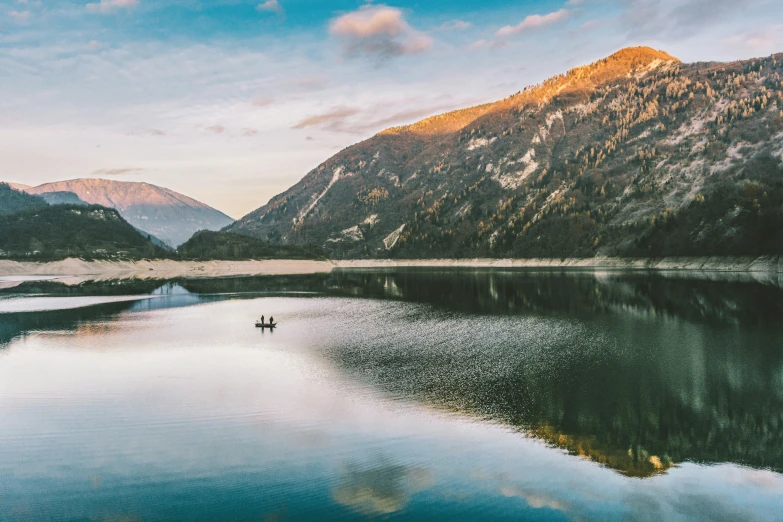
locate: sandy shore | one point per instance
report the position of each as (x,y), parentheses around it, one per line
(158,269)
(167,269)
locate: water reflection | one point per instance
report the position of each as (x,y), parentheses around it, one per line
(638,372)
(635,372)
(380,489)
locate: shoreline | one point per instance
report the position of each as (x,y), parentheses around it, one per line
(765,264)
(168,269)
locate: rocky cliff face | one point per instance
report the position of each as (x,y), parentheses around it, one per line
(636,154)
(161,212)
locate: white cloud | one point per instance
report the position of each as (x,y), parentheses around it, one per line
(272,6)
(533,22)
(19,16)
(108,6)
(677,20)
(456,25)
(380,31)
(487,44)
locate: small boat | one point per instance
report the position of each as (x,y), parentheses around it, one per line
(259,324)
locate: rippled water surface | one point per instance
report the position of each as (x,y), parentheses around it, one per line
(427,394)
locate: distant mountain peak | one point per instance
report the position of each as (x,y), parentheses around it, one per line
(641,53)
(164,213)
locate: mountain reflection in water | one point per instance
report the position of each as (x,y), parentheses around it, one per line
(635,371)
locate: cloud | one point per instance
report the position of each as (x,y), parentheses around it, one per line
(262,102)
(19,16)
(671,19)
(536,500)
(487,44)
(343,119)
(405,117)
(117,172)
(456,25)
(370,21)
(592,24)
(379,31)
(272,6)
(383,489)
(534,22)
(759,41)
(311,83)
(217,129)
(108,6)
(332,119)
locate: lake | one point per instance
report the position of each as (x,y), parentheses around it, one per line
(406,394)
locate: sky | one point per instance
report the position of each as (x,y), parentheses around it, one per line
(232,101)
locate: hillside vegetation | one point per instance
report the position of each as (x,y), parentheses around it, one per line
(636,154)
(206,245)
(57,232)
(13,201)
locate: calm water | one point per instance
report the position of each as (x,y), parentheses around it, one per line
(456,395)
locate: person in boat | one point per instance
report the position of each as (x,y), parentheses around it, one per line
(271,320)
(262,319)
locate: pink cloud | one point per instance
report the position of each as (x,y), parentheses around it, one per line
(19,16)
(272,6)
(369,21)
(378,30)
(108,6)
(533,22)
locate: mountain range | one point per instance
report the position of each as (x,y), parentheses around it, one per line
(31,228)
(637,154)
(160,212)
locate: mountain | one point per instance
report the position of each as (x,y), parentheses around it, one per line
(636,154)
(56,232)
(62,198)
(161,212)
(206,245)
(13,201)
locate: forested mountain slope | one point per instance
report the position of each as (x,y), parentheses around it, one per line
(13,201)
(637,154)
(166,214)
(61,231)
(32,229)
